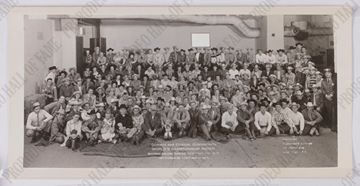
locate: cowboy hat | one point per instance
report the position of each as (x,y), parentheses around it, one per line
(309,104)
(36,104)
(100,104)
(244,103)
(204,106)
(122,106)
(136,107)
(77,92)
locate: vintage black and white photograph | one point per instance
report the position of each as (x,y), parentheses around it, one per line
(192,91)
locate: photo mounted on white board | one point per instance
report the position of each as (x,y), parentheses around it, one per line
(205,90)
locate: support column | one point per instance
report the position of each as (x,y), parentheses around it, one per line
(275,32)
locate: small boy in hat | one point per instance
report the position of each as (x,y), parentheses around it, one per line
(73,132)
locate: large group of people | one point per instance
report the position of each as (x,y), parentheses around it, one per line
(132,94)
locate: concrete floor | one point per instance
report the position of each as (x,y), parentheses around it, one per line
(282,151)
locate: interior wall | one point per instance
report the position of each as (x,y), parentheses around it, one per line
(68,41)
(37,33)
(143,36)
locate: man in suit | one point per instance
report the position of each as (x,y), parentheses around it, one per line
(267,70)
(182,120)
(328,90)
(152,122)
(174,57)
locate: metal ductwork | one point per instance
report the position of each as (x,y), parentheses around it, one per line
(292,31)
(236,22)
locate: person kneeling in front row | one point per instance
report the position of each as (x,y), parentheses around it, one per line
(297,119)
(229,122)
(262,123)
(38,125)
(312,120)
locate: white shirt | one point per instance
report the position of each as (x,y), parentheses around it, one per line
(71,125)
(233,73)
(50,75)
(298,119)
(260,58)
(271,59)
(263,120)
(35,120)
(226,117)
(287,112)
(282,59)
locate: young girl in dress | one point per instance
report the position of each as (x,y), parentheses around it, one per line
(108,129)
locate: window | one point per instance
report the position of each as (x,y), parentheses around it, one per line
(200,40)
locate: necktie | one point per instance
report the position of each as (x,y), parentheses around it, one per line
(181,115)
(38,119)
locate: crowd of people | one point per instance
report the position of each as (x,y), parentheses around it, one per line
(129,95)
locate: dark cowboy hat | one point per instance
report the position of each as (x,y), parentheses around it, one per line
(182,50)
(264,100)
(190,49)
(156,49)
(262,83)
(252,100)
(262,104)
(299,44)
(52,68)
(214,49)
(168,86)
(160,99)
(291,47)
(92,112)
(284,101)
(110,49)
(281,50)
(270,51)
(122,106)
(190,82)
(63,72)
(277,103)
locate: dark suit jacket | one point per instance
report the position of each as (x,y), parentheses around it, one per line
(125,120)
(264,73)
(152,122)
